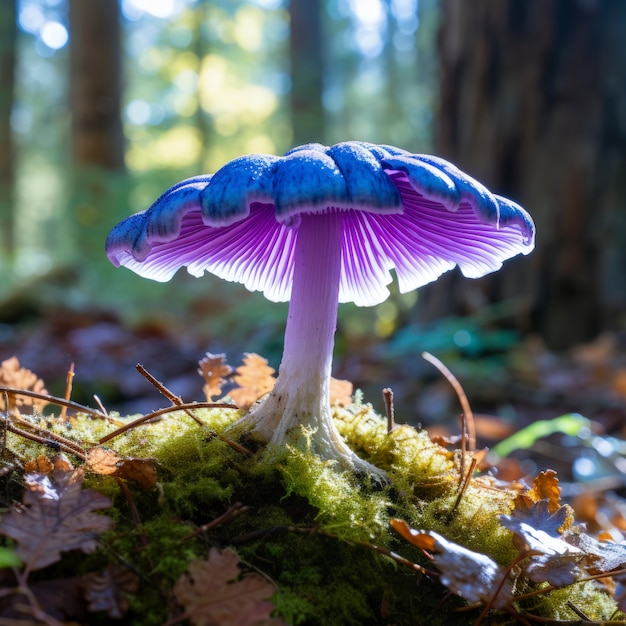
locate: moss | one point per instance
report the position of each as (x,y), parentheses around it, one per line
(307,526)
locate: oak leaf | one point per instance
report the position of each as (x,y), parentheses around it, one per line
(107,462)
(214,370)
(254,379)
(57,516)
(12,375)
(41,465)
(471,575)
(214,593)
(46,465)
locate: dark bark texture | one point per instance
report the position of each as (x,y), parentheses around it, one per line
(533,104)
(8,45)
(95,71)
(307,73)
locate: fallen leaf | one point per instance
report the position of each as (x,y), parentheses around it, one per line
(41,465)
(214,371)
(46,465)
(107,462)
(546,487)
(12,375)
(471,575)
(254,379)
(108,590)
(57,516)
(214,593)
(539,531)
(340,392)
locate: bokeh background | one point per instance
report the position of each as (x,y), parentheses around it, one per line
(104,104)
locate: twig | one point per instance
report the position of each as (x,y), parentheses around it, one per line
(265,532)
(68,390)
(45,437)
(572,607)
(466,481)
(177,401)
(230,514)
(389,409)
(171,409)
(53,400)
(507,573)
(164,391)
(468,430)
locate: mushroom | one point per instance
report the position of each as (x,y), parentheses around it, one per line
(318,226)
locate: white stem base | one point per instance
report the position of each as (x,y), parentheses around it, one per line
(301,397)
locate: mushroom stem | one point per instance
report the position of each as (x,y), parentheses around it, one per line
(301,396)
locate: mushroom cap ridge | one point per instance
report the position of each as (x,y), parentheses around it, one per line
(417,214)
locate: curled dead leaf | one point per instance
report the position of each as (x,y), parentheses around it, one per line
(546,487)
(107,462)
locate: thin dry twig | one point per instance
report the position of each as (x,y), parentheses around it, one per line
(43,436)
(178,402)
(68,390)
(230,514)
(81,408)
(164,391)
(466,481)
(389,408)
(468,430)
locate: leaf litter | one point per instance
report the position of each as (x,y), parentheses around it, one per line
(59,515)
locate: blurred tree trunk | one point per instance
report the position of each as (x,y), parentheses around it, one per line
(532,103)
(97,136)
(307,71)
(201,48)
(95,71)
(8,49)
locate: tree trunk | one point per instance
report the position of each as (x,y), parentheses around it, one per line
(8,46)
(95,59)
(99,187)
(307,73)
(532,102)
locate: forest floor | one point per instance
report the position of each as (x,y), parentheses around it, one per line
(517,394)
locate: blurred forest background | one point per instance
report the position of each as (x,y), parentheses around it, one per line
(103,105)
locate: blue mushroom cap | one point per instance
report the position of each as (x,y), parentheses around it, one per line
(417,214)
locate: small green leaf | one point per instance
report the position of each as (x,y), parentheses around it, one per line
(8,558)
(569,424)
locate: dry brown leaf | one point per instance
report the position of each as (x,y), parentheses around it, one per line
(546,487)
(44,465)
(108,590)
(107,462)
(340,392)
(214,371)
(471,575)
(57,516)
(213,593)
(41,465)
(254,379)
(12,375)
